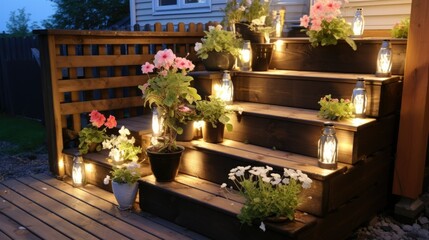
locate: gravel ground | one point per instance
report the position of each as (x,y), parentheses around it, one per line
(380,227)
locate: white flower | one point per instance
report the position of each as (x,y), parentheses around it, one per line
(233,170)
(198,46)
(211,28)
(262,226)
(218,27)
(106,180)
(266,179)
(124,131)
(285,181)
(223,185)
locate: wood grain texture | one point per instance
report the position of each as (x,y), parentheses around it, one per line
(298,54)
(412,148)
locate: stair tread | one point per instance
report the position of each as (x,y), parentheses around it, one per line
(301,114)
(211,195)
(266,156)
(370,79)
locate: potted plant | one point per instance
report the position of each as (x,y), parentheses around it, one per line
(268,196)
(214,112)
(122,147)
(251,19)
(334,108)
(218,49)
(167,90)
(324,26)
(91,136)
(124,184)
(186,115)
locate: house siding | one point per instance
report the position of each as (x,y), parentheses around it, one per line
(378,14)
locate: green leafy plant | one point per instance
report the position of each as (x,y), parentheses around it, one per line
(95,133)
(168,90)
(255,11)
(218,40)
(128,173)
(121,147)
(335,109)
(400,29)
(324,26)
(267,194)
(215,111)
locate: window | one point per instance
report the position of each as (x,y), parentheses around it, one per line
(161,7)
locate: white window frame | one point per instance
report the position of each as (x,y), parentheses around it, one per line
(181,7)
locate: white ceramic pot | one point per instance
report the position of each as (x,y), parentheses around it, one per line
(125,194)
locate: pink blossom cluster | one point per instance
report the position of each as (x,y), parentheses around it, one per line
(97,119)
(166,60)
(321,10)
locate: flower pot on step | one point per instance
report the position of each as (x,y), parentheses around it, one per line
(219,61)
(211,134)
(165,165)
(188,132)
(125,194)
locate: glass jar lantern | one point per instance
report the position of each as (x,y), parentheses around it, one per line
(227,88)
(358,24)
(384,60)
(78,171)
(328,147)
(359,98)
(246,56)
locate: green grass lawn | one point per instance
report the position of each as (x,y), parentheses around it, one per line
(26,134)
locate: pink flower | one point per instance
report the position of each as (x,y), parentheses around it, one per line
(163,73)
(183,108)
(181,63)
(147,67)
(316,24)
(97,119)
(164,58)
(317,9)
(305,20)
(111,122)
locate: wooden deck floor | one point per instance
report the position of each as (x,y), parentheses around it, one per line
(42,207)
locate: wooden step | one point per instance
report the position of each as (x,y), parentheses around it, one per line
(203,207)
(297,54)
(298,130)
(330,188)
(303,89)
(97,166)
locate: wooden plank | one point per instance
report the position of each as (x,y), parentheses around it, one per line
(97,61)
(10,229)
(302,89)
(298,54)
(271,157)
(31,223)
(103,200)
(414,121)
(100,83)
(101,105)
(45,215)
(210,209)
(83,215)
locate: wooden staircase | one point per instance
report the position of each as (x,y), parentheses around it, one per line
(279,127)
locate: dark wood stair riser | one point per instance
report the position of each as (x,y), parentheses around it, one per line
(324,196)
(302,137)
(298,54)
(301,92)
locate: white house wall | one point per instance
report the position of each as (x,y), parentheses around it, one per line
(379,14)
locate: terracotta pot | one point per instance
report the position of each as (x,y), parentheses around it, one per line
(125,194)
(165,165)
(211,134)
(219,61)
(188,132)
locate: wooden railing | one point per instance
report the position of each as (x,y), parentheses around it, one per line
(87,70)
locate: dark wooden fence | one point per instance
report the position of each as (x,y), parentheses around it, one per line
(20,78)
